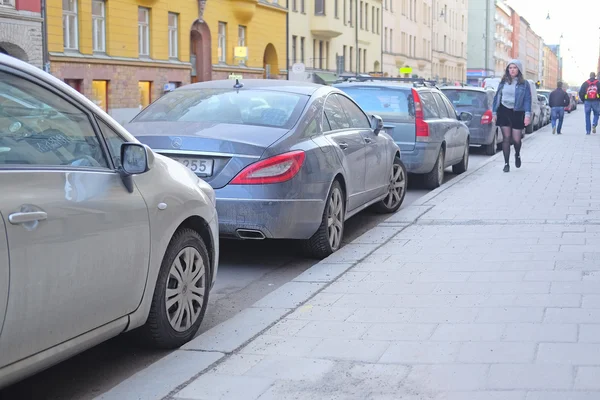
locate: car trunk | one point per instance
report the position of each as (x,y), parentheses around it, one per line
(216,152)
(475,102)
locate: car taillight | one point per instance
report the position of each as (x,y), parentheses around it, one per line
(487,117)
(421,126)
(276,169)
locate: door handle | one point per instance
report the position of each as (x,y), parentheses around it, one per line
(368,140)
(343,145)
(24,217)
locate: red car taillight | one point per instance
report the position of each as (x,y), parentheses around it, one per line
(487,117)
(421,126)
(276,169)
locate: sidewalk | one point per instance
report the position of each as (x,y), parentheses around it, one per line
(487,288)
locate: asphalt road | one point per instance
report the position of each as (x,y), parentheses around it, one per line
(247,272)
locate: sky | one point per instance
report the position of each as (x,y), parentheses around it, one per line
(577,21)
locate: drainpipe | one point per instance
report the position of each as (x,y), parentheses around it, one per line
(487,37)
(356,34)
(287,39)
(45,58)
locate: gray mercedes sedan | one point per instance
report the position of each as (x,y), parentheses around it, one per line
(287,160)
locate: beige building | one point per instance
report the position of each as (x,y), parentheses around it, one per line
(330,37)
(407,35)
(550,68)
(449,44)
(503,35)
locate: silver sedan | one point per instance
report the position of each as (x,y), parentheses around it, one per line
(287,160)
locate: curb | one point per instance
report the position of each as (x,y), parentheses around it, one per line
(167,376)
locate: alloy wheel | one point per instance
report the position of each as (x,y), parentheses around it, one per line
(335,218)
(396,187)
(185,289)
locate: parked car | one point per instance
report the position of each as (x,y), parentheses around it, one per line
(422,121)
(479,103)
(287,160)
(536,110)
(98,234)
(545,109)
(573,104)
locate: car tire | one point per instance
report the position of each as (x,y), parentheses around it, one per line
(325,241)
(171,327)
(491,148)
(435,178)
(396,189)
(463,165)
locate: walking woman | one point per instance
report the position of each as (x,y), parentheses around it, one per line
(512,110)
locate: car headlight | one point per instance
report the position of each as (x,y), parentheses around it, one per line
(208,191)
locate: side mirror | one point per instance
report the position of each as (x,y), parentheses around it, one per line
(135,159)
(465,116)
(376,124)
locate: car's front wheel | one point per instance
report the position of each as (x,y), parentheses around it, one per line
(328,238)
(396,189)
(181,292)
(435,178)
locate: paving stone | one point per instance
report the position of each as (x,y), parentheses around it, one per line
(588,378)
(213,386)
(421,353)
(572,315)
(383,315)
(530,376)
(348,349)
(486,352)
(553,276)
(569,353)
(468,332)
(530,332)
(237,364)
(281,346)
(291,368)
(334,329)
(584,287)
(589,333)
(287,327)
(290,295)
(318,313)
(510,314)
(562,395)
(397,332)
(322,273)
(491,395)
(447,377)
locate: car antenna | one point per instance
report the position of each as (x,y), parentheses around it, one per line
(238,85)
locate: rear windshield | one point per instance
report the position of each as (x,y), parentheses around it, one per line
(383,101)
(467,98)
(227,106)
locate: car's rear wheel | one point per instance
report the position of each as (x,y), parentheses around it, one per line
(463,165)
(435,178)
(396,189)
(491,148)
(181,292)
(328,238)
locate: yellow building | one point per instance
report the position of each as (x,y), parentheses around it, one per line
(121,53)
(242,37)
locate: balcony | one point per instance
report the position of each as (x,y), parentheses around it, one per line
(326,28)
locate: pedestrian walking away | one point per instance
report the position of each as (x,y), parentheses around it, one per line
(590,95)
(512,110)
(559,99)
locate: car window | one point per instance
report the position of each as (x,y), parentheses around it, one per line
(335,115)
(227,106)
(114,141)
(383,101)
(449,107)
(37,127)
(442,106)
(430,108)
(357,117)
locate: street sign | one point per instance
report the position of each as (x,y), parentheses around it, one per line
(240,52)
(233,77)
(298,68)
(405,70)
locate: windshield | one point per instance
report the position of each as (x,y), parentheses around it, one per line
(467,98)
(227,106)
(545,93)
(383,101)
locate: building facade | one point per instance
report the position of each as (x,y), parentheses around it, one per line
(21,33)
(533,55)
(407,34)
(503,37)
(328,38)
(550,74)
(241,37)
(449,40)
(480,42)
(121,53)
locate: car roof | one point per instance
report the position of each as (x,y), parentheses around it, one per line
(466,88)
(304,88)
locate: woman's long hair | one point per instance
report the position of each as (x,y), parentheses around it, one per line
(508,79)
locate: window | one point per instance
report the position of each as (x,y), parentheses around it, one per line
(145,88)
(241,36)
(345,58)
(359,61)
(295,5)
(395,103)
(351,9)
(336,6)
(222,42)
(366,17)
(326,55)
(391,40)
(50,131)
(378,22)
(373,19)
(70,25)
(320,54)
(144,31)
(227,106)
(335,118)
(361,24)
(99,25)
(319,7)
(345,12)
(357,117)
(114,141)
(9,3)
(294,48)
(302,6)
(351,58)
(100,94)
(365,60)
(430,109)
(76,84)
(385,40)
(441,106)
(302,50)
(173,35)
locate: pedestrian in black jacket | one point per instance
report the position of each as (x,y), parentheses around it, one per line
(559,99)
(590,94)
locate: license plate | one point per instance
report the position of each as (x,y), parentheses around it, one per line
(200,166)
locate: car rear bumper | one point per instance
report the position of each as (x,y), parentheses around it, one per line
(259,211)
(422,158)
(482,136)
